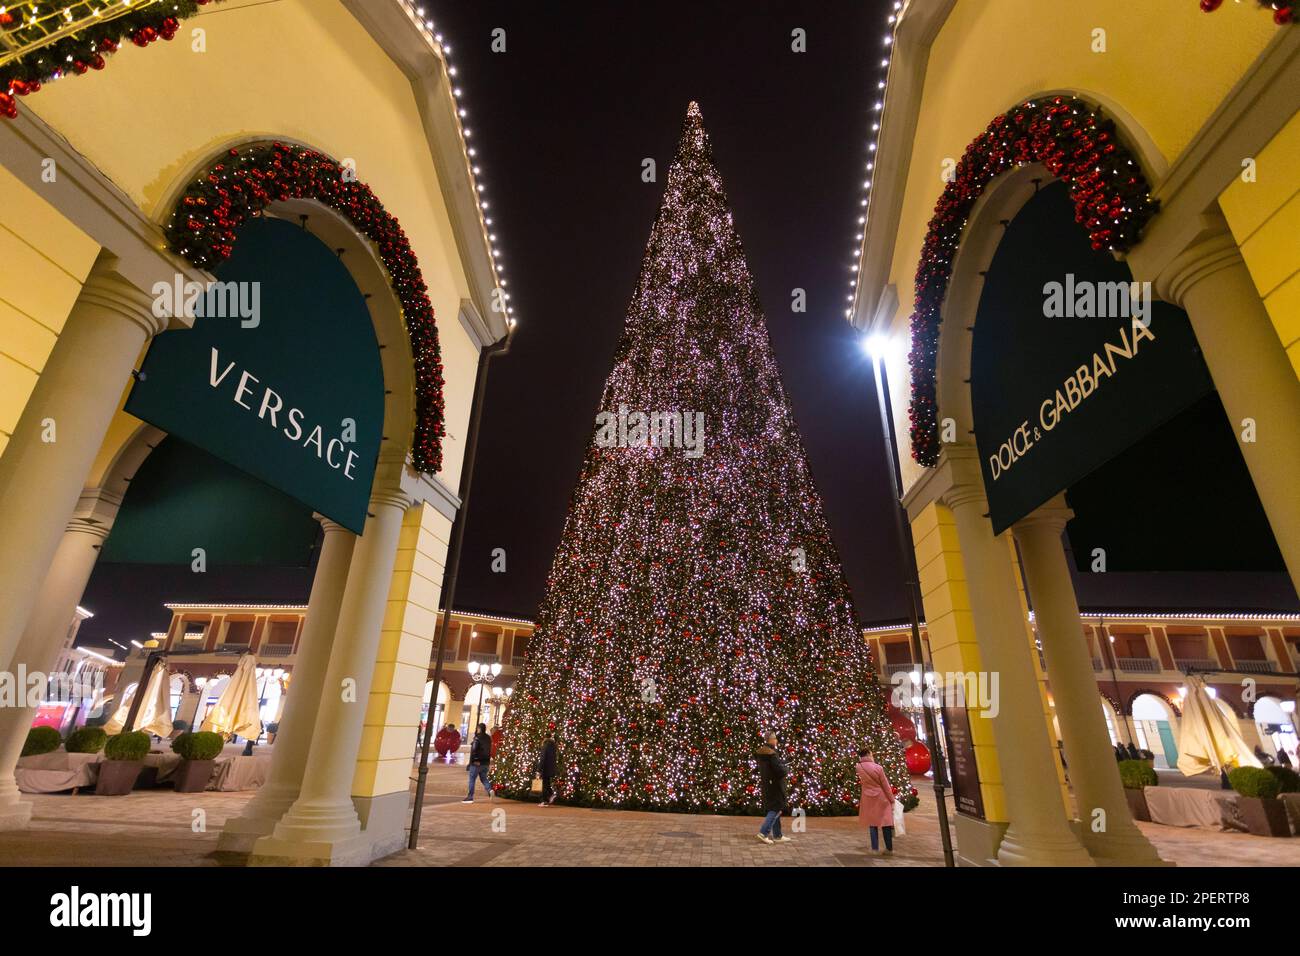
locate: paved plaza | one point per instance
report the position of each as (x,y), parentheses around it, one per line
(163,828)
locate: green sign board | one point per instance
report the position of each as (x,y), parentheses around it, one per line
(280,375)
(1071,362)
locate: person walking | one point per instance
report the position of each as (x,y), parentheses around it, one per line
(876,810)
(546,767)
(772,773)
(480,755)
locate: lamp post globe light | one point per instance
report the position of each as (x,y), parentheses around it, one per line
(483,675)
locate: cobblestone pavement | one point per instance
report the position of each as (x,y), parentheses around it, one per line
(158,828)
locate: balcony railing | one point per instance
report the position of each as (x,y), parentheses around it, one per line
(482,658)
(1138,665)
(1255,667)
(275,650)
(892,669)
(1096,664)
(1196,663)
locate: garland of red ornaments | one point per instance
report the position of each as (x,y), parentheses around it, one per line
(205,223)
(1077,144)
(84,50)
(1283,10)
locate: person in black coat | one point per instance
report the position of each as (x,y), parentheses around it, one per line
(480,755)
(772,773)
(546,767)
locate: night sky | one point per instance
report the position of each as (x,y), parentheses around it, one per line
(562,122)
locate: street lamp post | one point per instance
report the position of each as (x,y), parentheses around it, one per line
(483,675)
(877,346)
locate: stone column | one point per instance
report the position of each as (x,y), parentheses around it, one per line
(298,722)
(39,647)
(322,826)
(1038,833)
(1251,371)
(1111,837)
(45,464)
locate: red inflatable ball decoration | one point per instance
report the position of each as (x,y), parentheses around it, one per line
(918,758)
(903,726)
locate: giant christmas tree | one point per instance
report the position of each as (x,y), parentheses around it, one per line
(696,600)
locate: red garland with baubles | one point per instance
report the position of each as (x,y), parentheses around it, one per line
(83,50)
(1077,144)
(1283,12)
(206,221)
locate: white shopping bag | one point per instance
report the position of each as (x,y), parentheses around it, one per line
(899,827)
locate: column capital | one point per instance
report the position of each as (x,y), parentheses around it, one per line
(331,527)
(1209,253)
(96,529)
(1049,517)
(107,289)
(965,494)
(389,498)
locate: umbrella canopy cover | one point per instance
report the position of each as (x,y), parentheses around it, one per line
(155,714)
(1208,738)
(237,712)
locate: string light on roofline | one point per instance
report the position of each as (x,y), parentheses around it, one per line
(440,47)
(891,28)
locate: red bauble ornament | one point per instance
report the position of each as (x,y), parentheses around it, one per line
(918,758)
(903,726)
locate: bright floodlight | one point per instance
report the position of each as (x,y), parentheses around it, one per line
(877,345)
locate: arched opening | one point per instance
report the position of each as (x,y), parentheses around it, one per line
(1116,401)
(1156,727)
(187,510)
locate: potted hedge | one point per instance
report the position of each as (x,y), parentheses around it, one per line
(1263,812)
(1137,775)
(86,740)
(198,753)
(124,758)
(41,740)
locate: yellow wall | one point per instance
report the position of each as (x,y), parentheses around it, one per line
(402,664)
(1264,216)
(304,70)
(43,261)
(991,54)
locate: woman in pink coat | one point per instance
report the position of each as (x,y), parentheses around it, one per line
(877,808)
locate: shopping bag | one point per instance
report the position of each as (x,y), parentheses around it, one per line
(899,827)
(536,785)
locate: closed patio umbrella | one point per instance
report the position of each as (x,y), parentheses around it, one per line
(1208,738)
(155,715)
(236,712)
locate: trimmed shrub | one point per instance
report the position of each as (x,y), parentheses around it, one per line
(1136,774)
(41,740)
(132,746)
(86,740)
(1287,778)
(203,745)
(1254,782)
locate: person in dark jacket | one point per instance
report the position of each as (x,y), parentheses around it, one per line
(546,767)
(772,773)
(480,755)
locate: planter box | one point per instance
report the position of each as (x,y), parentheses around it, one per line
(192,776)
(1264,817)
(1137,804)
(117,777)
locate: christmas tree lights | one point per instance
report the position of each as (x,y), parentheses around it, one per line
(696,601)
